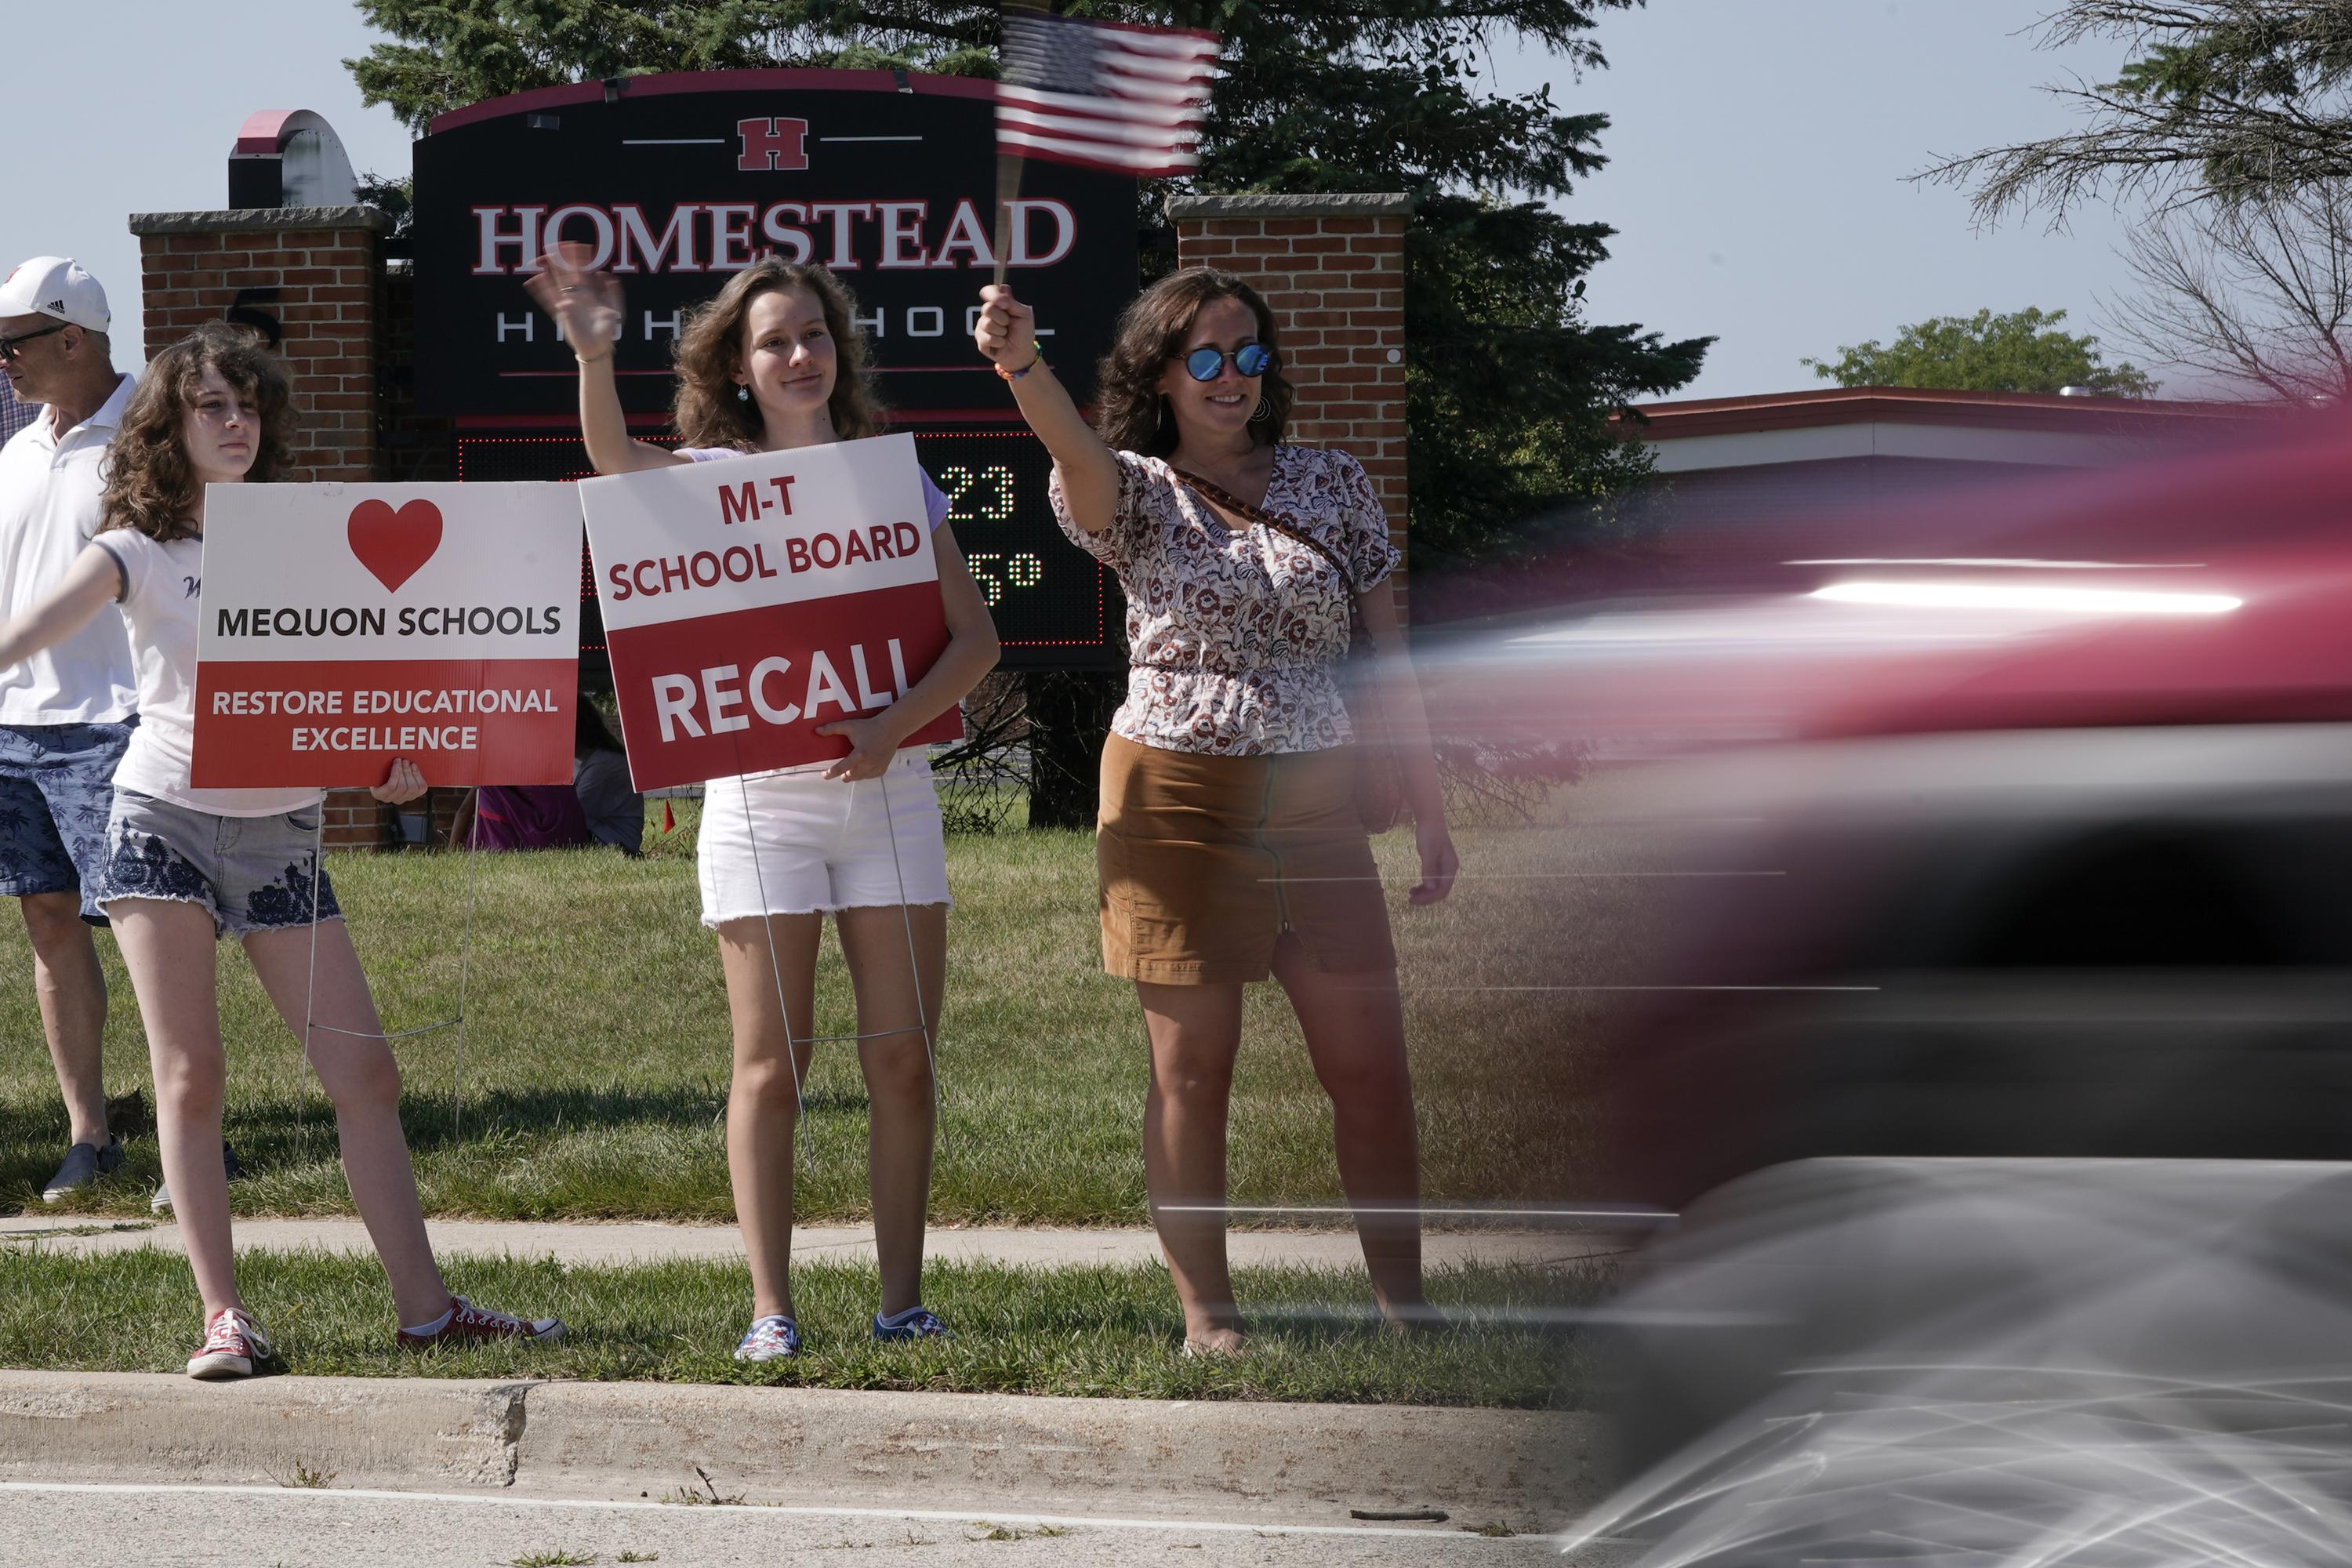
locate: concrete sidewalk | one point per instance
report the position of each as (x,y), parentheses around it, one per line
(638,1243)
(1273,1464)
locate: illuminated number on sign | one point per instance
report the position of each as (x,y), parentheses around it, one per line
(996,574)
(984,574)
(1000,509)
(954,483)
(978,495)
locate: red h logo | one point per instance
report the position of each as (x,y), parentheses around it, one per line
(773,145)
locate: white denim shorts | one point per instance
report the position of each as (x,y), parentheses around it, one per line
(808,843)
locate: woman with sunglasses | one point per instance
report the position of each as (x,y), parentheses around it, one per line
(1229,846)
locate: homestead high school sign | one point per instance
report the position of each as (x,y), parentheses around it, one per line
(675,183)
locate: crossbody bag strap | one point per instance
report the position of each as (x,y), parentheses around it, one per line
(1275,521)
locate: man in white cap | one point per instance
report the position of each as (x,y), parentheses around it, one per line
(65,715)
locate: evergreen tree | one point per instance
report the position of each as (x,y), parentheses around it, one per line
(2226,101)
(1509,386)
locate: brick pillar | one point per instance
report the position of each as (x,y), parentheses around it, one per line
(1332,268)
(317,274)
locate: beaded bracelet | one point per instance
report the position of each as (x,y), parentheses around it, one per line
(1024,370)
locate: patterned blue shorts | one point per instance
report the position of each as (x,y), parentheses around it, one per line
(251,873)
(56,784)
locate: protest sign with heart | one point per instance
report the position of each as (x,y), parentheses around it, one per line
(344,626)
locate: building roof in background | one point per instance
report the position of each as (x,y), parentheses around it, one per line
(1911,422)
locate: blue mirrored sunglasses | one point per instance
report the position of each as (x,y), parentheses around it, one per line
(1250,359)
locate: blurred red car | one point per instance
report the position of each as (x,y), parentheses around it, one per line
(2046,816)
(2031,843)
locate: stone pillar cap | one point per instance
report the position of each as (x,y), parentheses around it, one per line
(1395,204)
(255,220)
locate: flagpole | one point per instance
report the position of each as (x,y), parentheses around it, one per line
(1008,186)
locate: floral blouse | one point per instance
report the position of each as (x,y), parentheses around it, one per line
(1231,636)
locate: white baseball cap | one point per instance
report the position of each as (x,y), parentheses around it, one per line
(56,285)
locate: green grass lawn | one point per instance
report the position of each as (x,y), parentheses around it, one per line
(1100,1332)
(596,1050)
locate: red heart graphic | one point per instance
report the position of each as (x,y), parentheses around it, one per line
(393,544)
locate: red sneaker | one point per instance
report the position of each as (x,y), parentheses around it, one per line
(233,1343)
(469,1324)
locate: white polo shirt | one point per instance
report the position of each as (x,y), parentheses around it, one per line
(48,514)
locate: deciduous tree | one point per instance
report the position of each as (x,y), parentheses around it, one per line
(2024,351)
(2257,295)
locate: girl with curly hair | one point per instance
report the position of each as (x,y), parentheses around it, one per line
(187,867)
(1230,845)
(776,361)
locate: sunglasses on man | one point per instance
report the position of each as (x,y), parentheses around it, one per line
(11,347)
(1252,360)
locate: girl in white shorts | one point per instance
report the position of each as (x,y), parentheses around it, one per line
(776,361)
(185,866)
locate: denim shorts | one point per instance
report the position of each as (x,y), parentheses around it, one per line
(250,873)
(57,783)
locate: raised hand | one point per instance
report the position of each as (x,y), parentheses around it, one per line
(1007,329)
(585,303)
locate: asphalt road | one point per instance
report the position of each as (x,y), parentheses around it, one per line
(44,1525)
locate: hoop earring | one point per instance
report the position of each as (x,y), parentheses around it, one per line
(742,395)
(1261,411)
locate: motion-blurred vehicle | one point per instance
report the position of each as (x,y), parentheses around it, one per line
(2021,962)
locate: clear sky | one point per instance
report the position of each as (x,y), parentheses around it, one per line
(140,114)
(1757,151)
(1756,159)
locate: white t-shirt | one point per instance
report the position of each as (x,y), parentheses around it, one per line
(162,584)
(48,514)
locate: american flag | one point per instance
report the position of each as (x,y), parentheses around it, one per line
(1104,95)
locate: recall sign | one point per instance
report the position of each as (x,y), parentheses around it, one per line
(344,626)
(749,600)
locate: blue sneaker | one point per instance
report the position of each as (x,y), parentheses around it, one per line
(914,1323)
(772,1338)
(84,1163)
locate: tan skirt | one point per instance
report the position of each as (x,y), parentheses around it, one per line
(1206,861)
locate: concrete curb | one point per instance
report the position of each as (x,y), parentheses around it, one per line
(1299,1463)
